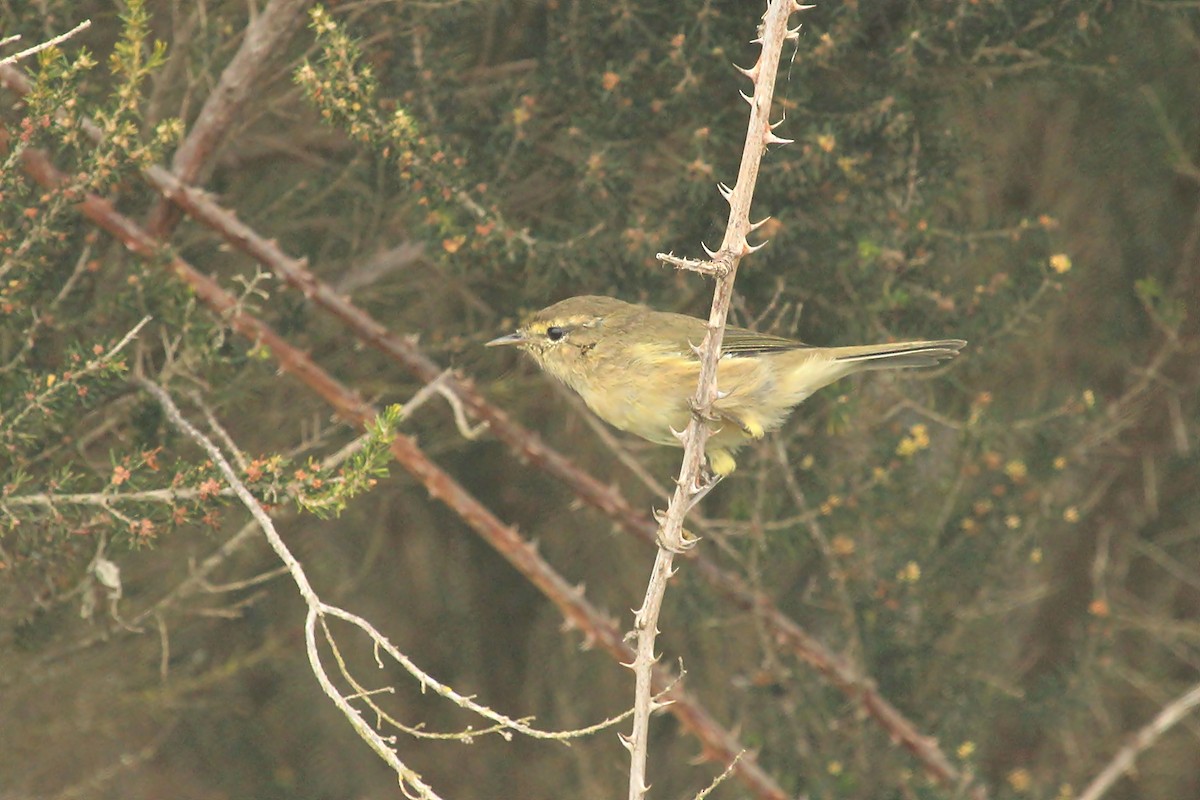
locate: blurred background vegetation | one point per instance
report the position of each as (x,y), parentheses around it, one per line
(1007,547)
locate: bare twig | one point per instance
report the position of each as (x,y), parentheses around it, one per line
(1145,738)
(705,267)
(717,781)
(410,781)
(37,48)
(95,783)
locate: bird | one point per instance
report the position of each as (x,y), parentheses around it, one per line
(638,368)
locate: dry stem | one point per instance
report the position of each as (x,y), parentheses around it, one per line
(1123,761)
(688,489)
(37,48)
(410,782)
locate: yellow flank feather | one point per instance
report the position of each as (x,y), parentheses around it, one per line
(637,369)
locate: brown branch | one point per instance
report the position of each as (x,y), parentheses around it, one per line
(265,35)
(717,742)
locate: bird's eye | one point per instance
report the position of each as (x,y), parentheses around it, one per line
(555,333)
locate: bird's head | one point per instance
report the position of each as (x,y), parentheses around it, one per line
(561,337)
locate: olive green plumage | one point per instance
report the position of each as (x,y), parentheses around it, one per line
(637,369)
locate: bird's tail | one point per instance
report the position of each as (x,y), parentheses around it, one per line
(897,355)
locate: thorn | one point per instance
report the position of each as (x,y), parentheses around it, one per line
(773,139)
(711,253)
(722,395)
(710,483)
(707,755)
(799,7)
(748,248)
(725,191)
(751,73)
(627,741)
(747,98)
(774,125)
(756,225)
(793,33)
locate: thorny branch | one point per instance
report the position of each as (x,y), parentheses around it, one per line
(688,490)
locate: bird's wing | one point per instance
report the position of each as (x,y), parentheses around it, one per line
(686,333)
(742,342)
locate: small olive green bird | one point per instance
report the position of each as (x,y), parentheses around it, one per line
(637,369)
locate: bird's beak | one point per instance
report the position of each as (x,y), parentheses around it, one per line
(512,338)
